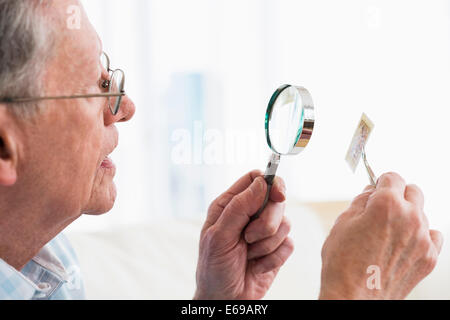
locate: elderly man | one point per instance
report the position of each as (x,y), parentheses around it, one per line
(60,101)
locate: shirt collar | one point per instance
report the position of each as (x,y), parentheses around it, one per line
(49,261)
(39,279)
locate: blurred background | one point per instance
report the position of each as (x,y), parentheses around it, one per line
(201,73)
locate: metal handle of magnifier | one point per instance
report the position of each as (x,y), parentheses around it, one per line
(269,176)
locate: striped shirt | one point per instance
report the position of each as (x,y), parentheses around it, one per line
(53,274)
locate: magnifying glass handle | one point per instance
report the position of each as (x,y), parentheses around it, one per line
(269,176)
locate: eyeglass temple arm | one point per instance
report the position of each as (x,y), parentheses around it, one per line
(94,95)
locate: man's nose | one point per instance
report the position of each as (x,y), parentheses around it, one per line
(126,111)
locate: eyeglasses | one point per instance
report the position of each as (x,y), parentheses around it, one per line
(115,85)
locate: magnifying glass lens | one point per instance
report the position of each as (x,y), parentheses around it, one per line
(289,125)
(285,121)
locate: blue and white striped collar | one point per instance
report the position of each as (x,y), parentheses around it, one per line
(44,275)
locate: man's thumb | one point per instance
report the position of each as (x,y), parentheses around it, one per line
(237,213)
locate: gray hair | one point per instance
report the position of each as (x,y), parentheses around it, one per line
(25,42)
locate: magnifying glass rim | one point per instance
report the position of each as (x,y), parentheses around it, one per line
(305,134)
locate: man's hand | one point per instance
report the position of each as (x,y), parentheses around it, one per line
(385,230)
(238,259)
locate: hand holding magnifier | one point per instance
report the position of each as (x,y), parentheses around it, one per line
(289,125)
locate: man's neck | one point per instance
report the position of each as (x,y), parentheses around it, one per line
(22,238)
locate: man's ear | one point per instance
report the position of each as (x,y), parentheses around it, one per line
(8,150)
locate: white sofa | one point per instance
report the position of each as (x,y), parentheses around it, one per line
(157,260)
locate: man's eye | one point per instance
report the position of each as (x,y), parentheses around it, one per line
(105,84)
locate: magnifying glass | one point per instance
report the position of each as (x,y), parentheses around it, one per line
(289,125)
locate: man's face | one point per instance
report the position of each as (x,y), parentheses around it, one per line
(64,160)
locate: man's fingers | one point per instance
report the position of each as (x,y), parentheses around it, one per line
(267,224)
(278,191)
(347,214)
(244,182)
(357,205)
(414,195)
(264,247)
(437,238)
(392,180)
(237,213)
(369,188)
(217,206)
(359,202)
(274,260)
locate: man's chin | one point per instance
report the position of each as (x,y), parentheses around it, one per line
(102,201)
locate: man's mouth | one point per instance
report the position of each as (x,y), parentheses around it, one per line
(107,163)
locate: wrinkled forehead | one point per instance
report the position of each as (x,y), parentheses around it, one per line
(78,45)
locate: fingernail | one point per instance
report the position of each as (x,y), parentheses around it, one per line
(283,192)
(250,237)
(257,185)
(280,195)
(283,189)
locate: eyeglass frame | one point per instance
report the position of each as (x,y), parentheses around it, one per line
(81,96)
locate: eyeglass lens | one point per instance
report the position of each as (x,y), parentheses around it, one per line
(116,86)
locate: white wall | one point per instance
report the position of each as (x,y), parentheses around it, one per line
(389,59)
